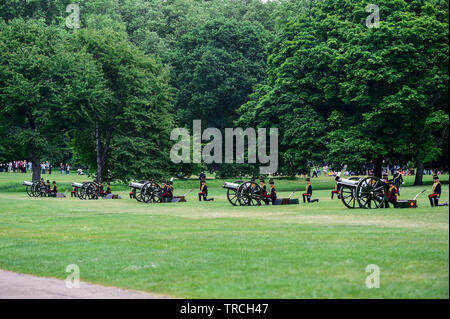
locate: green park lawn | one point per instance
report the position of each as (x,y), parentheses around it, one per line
(214,250)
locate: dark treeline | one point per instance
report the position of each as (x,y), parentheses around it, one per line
(109,93)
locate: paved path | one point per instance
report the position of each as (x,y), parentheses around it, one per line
(21,286)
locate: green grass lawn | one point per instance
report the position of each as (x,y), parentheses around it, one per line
(214,250)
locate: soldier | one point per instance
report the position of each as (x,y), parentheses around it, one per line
(392,195)
(49,188)
(308,192)
(108,189)
(386,181)
(170,190)
(133,193)
(73,193)
(163,190)
(101,189)
(54,190)
(398,180)
(263,193)
(204,192)
(436,193)
(337,188)
(202,177)
(273,191)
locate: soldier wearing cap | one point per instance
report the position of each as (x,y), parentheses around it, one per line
(436,193)
(337,187)
(392,195)
(398,180)
(204,192)
(273,191)
(308,192)
(263,193)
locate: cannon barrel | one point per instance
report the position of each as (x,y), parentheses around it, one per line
(348,182)
(136,185)
(75,184)
(232,186)
(27,183)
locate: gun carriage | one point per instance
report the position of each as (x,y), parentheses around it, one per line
(243,193)
(368,192)
(86,190)
(34,189)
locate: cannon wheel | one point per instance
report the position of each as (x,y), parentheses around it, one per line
(30,190)
(246,194)
(82,194)
(371,192)
(232,194)
(92,191)
(348,196)
(151,193)
(35,189)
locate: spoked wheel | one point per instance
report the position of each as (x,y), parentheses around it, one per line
(248,194)
(348,196)
(83,192)
(29,190)
(35,189)
(92,191)
(151,193)
(232,195)
(371,192)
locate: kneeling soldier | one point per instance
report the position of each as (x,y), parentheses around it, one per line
(308,192)
(436,193)
(73,193)
(337,189)
(392,195)
(204,192)
(263,195)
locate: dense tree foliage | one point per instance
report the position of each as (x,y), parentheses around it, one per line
(109,93)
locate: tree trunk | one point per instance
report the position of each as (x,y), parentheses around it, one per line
(102,153)
(36,166)
(377,167)
(419,174)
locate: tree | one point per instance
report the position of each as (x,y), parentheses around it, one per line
(128,132)
(376,88)
(42,79)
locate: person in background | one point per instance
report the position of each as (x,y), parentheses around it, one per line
(49,168)
(308,193)
(61,168)
(67,169)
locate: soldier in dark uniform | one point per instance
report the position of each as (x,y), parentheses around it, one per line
(436,193)
(170,190)
(108,188)
(398,180)
(164,187)
(308,192)
(263,194)
(73,193)
(273,191)
(204,192)
(133,193)
(54,189)
(202,177)
(101,189)
(337,188)
(48,188)
(392,195)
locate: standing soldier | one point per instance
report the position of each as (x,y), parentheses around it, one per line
(202,177)
(108,188)
(398,180)
(54,190)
